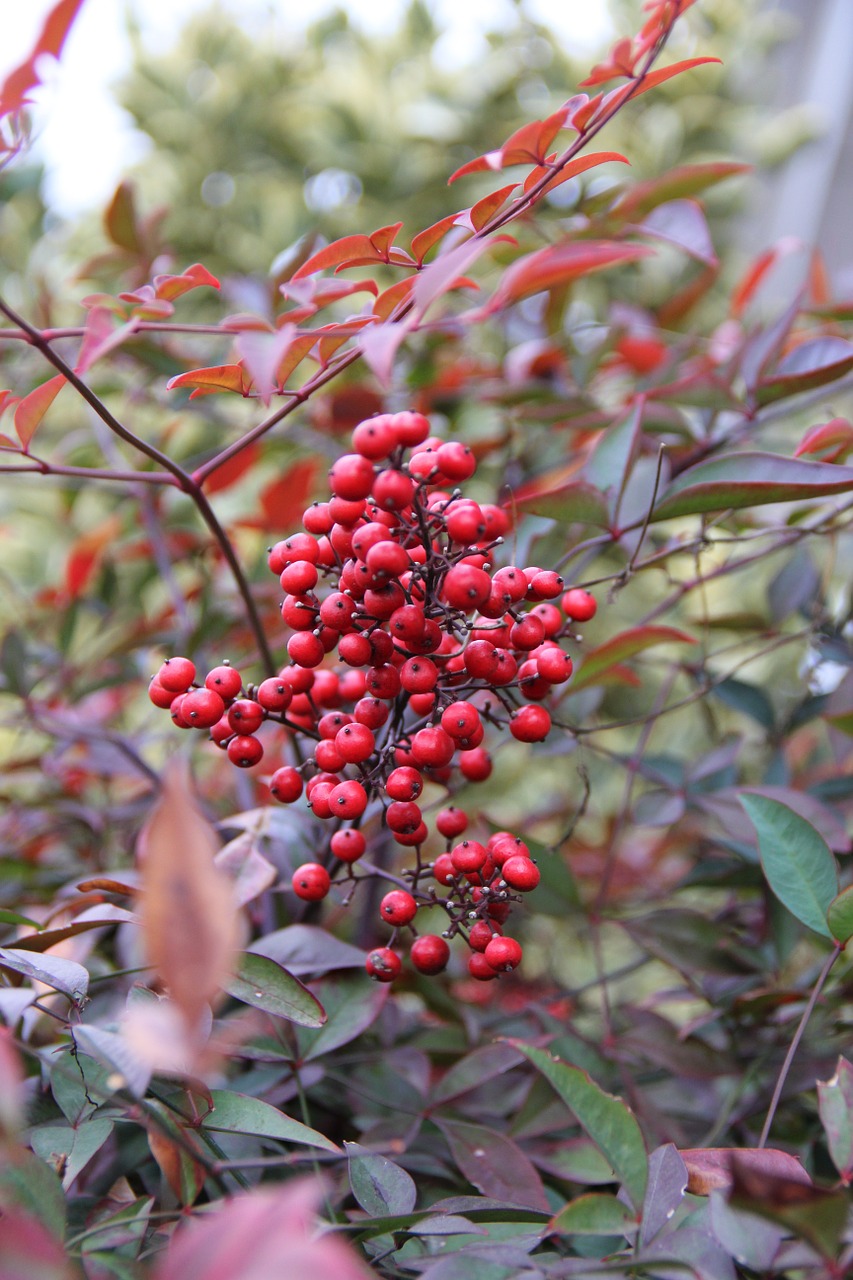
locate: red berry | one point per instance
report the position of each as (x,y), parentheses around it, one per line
(202,708)
(468,856)
(475,765)
(443,869)
(530,724)
(311,882)
(432,747)
(545,585)
(430,953)
(161,697)
(286,784)
(348,800)
(579,604)
(328,757)
(520,873)
(466,587)
(176,674)
(418,675)
(460,720)
(503,954)
(305,649)
(393,490)
(404,783)
(451,822)
(274,694)
(479,968)
(351,477)
(480,935)
(410,428)
(383,964)
(398,907)
(225,681)
(348,844)
(299,577)
(355,743)
(376,437)
(245,716)
(244,751)
(456,461)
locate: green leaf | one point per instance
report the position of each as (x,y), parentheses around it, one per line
(594,1215)
(797,861)
(239,1113)
(66,976)
(70,1149)
(353,1003)
(572,503)
(749,480)
(12,917)
(835,1104)
(606,1119)
(265,985)
(839,915)
(623,646)
(810,365)
(32,1186)
(381,1187)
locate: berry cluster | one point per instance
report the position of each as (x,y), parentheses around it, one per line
(434,646)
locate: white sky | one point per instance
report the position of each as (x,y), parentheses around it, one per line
(86,141)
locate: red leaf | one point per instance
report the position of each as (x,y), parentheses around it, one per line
(383,239)
(654,78)
(712,1167)
(262,353)
(171,287)
(748,284)
(283,501)
(424,240)
(686,180)
(483,209)
(220,377)
(231,471)
(392,297)
(85,555)
(626,645)
(379,346)
(33,407)
(100,336)
(55,28)
(810,365)
(558,265)
(836,435)
(341,253)
(579,165)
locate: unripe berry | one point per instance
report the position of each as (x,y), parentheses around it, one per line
(311,882)
(430,953)
(398,907)
(383,964)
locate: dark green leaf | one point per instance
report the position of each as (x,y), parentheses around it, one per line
(265,985)
(626,645)
(352,1004)
(605,1118)
(839,915)
(70,1149)
(835,1104)
(812,364)
(27,1183)
(571,503)
(239,1113)
(797,861)
(749,480)
(594,1214)
(381,1187)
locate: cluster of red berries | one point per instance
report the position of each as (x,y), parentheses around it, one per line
(434,645)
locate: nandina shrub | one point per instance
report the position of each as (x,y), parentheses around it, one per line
(439,702)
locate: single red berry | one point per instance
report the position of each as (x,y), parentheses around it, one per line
(475,765)
(316,519)
(418,675)
(348,844)
(530,724)
(579,604)
(274,694)
(162,698)
(545,585)
(348,799)
(480,935)
(456,460)
(554,665)
(311,882)
(244,751)
(468,856)
(298,577)
(351,477)
(383,964)
(398,907)
(404,783)
(305,649)
(520,873)
(443,869)
(432,747)
(372,712)
(410,428)
(383,682)
(466,587)
(286,784)
(202,708)
(479,968)
(392,490)
(176,674)
(225,681)
(410,839)
(355,743)
(328,757)
(430,953)
(403,817)
(504,845)
(503,954)
(375,437)
(460,720)
(451,822)
(175,711)
(245,715)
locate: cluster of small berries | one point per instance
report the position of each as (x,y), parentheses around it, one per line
(434,645)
